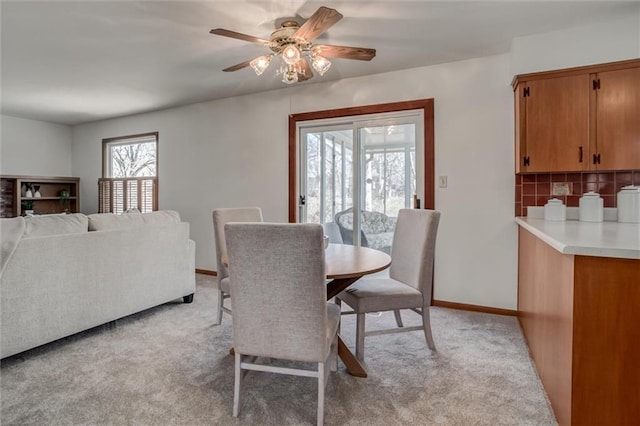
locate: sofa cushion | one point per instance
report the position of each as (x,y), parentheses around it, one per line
(161,217)
(111,221)
(54,224)
(11,231)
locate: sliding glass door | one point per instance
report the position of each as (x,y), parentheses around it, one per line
(327,173)
(365,165)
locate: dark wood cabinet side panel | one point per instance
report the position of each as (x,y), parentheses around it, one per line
(545,311)
(606,379)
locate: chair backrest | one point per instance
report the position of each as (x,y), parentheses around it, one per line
(220,218)
(277,274)
(344,220)
(413,251)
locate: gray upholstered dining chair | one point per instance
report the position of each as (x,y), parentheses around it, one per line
(280,308)
(410,278)
(220,218)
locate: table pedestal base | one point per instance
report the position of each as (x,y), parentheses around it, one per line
(350,361)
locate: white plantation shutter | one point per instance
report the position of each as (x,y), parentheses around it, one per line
(104,195)
(117,195)
(148,195)
(132,198)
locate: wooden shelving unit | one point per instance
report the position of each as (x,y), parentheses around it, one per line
(13,199)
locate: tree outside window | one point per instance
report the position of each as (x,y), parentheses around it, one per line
(134,157)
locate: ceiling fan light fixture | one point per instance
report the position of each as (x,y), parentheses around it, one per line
(260,64)
(291,54)
(295,44)
(320,64)
(290,76)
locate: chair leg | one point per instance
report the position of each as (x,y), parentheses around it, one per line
(236,386)
(334,356)
(220,304)
(360,337)
(321,384)
(396,312)
(338,302)
(426,323)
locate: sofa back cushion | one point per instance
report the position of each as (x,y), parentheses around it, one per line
(111,221)
(54,224)
(161,217)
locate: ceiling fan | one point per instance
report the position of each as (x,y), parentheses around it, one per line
(294,44)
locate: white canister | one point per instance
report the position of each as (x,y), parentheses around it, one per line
(629,204)
(555,210)
(591,207)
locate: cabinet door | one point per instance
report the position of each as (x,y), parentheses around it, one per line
(618,119)
(557,124)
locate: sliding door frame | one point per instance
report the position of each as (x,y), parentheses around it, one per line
(426,105)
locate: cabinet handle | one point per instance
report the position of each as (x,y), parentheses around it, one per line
(580,159)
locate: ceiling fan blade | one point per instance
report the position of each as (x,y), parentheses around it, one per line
(238,66)
(306,73)
(239,36)
(320,21)
(359,53)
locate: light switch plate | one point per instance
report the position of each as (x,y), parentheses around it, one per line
(442,181)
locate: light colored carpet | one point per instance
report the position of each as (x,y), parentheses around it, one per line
(171,366)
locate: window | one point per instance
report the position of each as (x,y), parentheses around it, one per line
(129,174)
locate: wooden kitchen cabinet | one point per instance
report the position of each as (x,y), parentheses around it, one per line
(555,114)
(578,119)
(579,316)
(616,144)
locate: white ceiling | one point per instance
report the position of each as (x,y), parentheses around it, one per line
(75,62)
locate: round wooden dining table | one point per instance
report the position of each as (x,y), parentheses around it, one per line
(346,264)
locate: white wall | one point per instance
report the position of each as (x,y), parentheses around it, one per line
(233,152)
(228,153)
(474,148)
(609,41)
(34,148)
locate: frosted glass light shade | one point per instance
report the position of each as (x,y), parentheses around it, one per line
(291,54)
(260,64)
(320,64)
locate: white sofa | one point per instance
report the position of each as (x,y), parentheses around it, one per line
(64,274)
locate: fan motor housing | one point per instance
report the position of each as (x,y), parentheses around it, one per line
(283,36)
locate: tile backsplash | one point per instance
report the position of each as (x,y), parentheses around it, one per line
(535,189)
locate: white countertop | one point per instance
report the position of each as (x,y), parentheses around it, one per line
(604,239)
